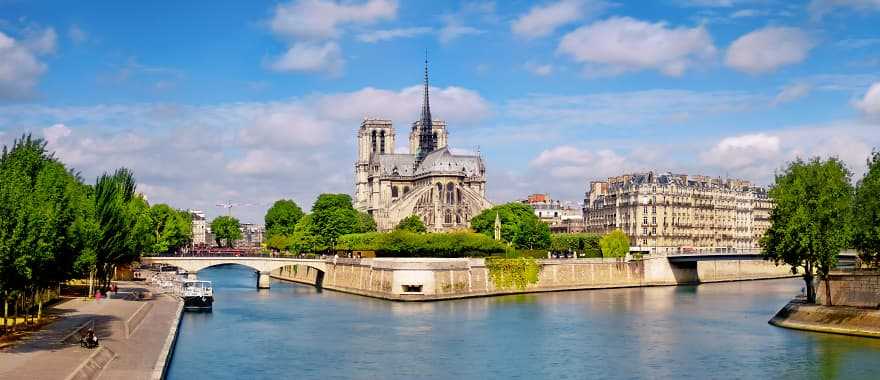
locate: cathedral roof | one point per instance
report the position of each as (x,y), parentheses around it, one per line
(442,160)
(397,164)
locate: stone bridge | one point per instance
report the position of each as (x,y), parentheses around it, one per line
(262,265)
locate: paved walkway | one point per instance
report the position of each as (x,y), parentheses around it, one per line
(42,355)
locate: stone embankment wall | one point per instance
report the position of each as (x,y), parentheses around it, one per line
(734,270)
(858,288)
(423,279)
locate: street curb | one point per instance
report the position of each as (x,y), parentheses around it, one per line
(168,348)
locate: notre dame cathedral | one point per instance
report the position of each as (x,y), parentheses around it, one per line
(444,189)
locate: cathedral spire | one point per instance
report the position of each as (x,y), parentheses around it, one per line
(427,140)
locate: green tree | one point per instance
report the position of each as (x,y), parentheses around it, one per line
(281,218)
(411,223)
(333,215)
(532,233)
(38,200)
(117,213)
(510,214)
(226,229)
(365,223)
(169,229)
(810,221)
(614,244)
(866,212)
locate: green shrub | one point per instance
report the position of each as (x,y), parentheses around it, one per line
(584,244)
(410,244)
(614,244)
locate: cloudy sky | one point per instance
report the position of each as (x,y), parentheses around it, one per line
(253,101)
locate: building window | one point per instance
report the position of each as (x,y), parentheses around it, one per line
(448,218)
(382,146)
(645,220)
(405,190)
(393,191)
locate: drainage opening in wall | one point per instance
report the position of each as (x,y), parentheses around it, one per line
(412,288)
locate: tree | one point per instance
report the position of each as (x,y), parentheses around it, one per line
(810,221)
(226,229)
(281,218)
(333,215)
(365,223)
(866,212)
(614,244)
(411,223)
(169,229)
(117,213)
(531,233)
(511,215)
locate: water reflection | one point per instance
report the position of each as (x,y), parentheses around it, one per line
(706,331)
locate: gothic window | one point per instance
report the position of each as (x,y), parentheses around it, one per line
(405,190)
(373,141)
(393,191)
(450,193)
(448,217)
(458,195)
(457,218)
(382,145)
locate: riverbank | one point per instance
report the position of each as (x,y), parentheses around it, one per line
(135,335)
(843,320)
(429,279)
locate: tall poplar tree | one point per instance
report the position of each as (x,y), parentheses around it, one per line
(866,213)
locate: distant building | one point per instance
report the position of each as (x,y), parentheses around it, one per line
(251,235)
(199,227)
(676,212)
(562,217)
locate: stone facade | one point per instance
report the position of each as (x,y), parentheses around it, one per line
(679,213)
(444,189)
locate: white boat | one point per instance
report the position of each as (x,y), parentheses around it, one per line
(196,294)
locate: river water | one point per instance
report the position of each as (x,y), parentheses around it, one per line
(715,331)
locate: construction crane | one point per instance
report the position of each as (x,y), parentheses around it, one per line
(228,205)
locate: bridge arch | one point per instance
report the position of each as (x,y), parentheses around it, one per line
(262,265)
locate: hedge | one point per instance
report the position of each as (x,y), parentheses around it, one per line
(582,243)
(410,244)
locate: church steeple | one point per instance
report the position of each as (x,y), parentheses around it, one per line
(427,140)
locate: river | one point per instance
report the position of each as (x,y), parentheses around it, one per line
(716,331)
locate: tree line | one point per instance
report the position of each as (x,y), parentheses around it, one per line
(818,212)
(54,227)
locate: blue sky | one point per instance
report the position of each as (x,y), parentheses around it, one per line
(254,101)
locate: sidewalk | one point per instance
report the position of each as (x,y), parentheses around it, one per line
(43,355)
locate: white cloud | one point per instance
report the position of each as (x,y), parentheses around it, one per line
(869,104)
(313,57)
(539,69)
(20,70)
(321,19)
(741,151)
(40,41)
(622,44)
(792,92)
(55,133)
(819,8)
(312,28)
(77,34)
(542,20)
(743,13)
(570,162)
(390,34)
(767,49)
(453,29)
